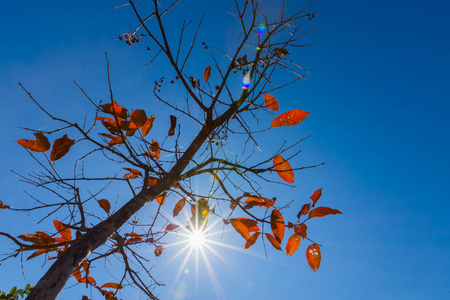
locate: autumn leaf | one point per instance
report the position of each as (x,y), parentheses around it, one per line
(148,125)
(41,144)
(173,124)
(178,207)
(240,228)
(158,250)
(207,73)
(315,197)
(293,243)
(63,230)
(271,102)
(277,225)
(170,227)
(115,141)
(139,117)
(259,201)
(252,240)
(323,211)
(60,147)
(290,118)
(313,256)
(37,253)
(283,169)
(105,205)
(115,109)
(110,124)
(112,285)
(304,211)
(134,238)
(154,150)
(133,173)
(129,127)
(301,229)
(87,279)
(273,241)
(161,199)
(3,206)
(152,181)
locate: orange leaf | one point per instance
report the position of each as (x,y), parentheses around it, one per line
(88,279)
(251,225)
(323,211)
(301,229)
(60,147)
(178,207)
(259,201)
(105,205)
(277,225)
(41,144)
(63,230)
(115,141)
(139,117)
(273,241)
(153,150)
(158,250)
(271,102)
(316,196)
(77,274)
(152,181)
(134,238)
(148,125)
(207,73)
(283,169)
(112,285)
(115,109)
(133,173)
(37,253)
(129,127)
(305,210)
(313,256)
(252,240)
(290,118)
(293,243)
(161,199)
(240,228)
(173,124)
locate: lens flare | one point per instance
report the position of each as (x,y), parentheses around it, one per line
(261,29)
(197,238)
(246,81)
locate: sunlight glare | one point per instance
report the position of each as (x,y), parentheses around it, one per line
(197,239)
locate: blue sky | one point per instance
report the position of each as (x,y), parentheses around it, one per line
(378,97)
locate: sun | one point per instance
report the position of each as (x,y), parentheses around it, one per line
(197,238)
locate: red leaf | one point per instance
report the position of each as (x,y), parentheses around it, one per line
(115,141)
(178,207)
(170,227)
(252,240)
(271,102)
(259,201)
(158,250)
(129,127)
(207,73)
(110,124)
(290,118)
(316,196)
(293,243)
(283,169)
(105,205)
(115,109)
(134,238)
(323,211)
(37,253)
(313,256)
(301,229)
(173,124)
(148,125)
(153,150)
(112,285)
(240,228)
(277,225)
(3,206)
(41,144)
(63,230)
(60,147)
(139,117)
(273,241)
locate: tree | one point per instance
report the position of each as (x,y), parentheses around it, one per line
(163,170)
